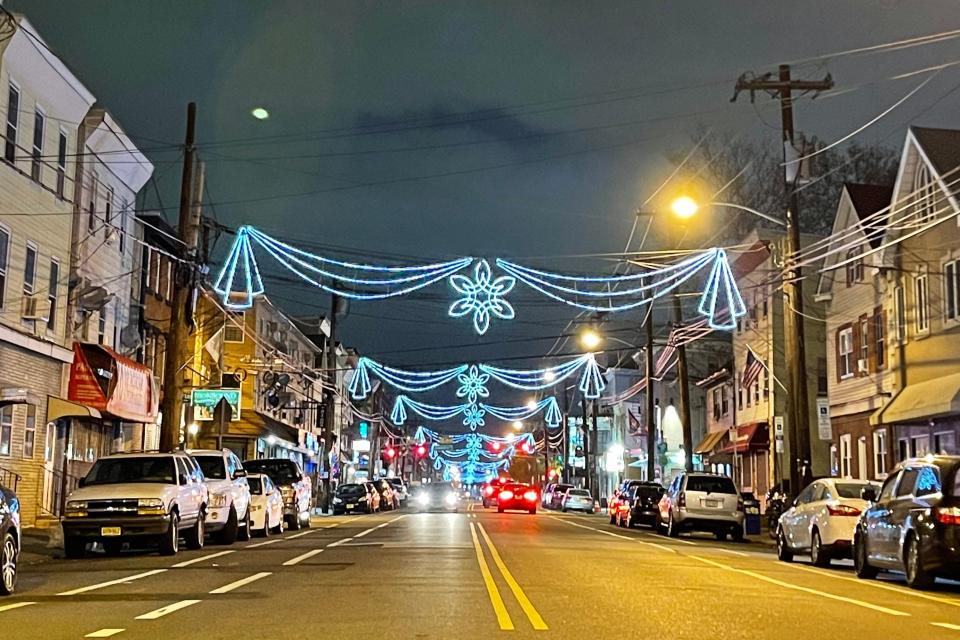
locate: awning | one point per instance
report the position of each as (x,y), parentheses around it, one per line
(710,442)
(104,380)
(59,408)
(921,401)
(749,437)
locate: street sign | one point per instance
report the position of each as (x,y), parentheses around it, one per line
(823,419)
(361,446)
(205,401)
(778,426)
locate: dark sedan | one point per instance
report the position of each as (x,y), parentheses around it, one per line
(913,525)
(352,498)
(9,540)
(639,505)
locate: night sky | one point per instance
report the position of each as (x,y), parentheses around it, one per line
(565,113)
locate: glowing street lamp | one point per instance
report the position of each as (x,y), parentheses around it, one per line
(517,424)
(684,207)
(531,404)
(590,339)
(549,376)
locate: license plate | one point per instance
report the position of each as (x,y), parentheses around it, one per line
(351,506)
(711,503)
(109,531)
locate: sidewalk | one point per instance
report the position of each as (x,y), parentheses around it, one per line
(39,544)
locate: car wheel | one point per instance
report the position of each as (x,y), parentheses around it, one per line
(294,524)
(631,523)
(228,535)
(613,518)
(8,565)
(818,556)
(279,528)
(861,564)
(672,530)
(499,509)
(917,576)
(112,547)
(720,535)
(265,532)
(194,538)
(737,533)
(658,523)
(244,534)
(306,520)
(74,547)
(170,543)
(783,551)
(564,510)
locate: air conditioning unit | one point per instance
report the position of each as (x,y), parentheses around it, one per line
(35,308)
(863,366)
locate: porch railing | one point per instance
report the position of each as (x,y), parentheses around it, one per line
(9,479)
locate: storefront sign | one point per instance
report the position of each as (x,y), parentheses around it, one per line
(122,387)
(205,402)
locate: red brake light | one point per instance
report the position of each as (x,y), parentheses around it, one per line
(842,510)
(682,499)
(947,515)
(530,495)
(488,490)
(506,494)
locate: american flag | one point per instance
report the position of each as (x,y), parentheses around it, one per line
(752,369)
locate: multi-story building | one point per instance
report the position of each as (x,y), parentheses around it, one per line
(42,104)
(859,374)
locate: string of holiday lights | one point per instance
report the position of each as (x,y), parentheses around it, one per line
(472,457)
(474,413)
(482,296)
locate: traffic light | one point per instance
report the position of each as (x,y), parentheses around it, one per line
(495,446)
(391,453)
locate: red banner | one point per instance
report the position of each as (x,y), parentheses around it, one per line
(130,392)
(84,387)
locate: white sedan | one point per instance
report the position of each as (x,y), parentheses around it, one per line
(266,505)
(822,520)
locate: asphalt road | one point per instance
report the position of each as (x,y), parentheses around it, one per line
(474,574)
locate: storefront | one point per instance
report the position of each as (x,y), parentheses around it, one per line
(924,418)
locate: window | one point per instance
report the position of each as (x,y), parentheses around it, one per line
(4,255)
(928,481)
(926,190)
(36,154)
(901,313)
(108,215)
(739,396)
(908,480)
(879,340)
(845,352)
(13,119)
(61,163)
(951,289)
(864,342)
(122,226)
(92,202)
(846,455)
(724,401)
(834,460)
(854,266)
(30,269)
(102,325)
(921,301)
(756,390)
(30,431)
(716,404)
(233,327)
(945,443)
(886,491)
(50,442)
(6,429)
(53,292)
(879,453)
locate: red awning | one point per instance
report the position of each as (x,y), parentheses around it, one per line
(749,437)
(103,379)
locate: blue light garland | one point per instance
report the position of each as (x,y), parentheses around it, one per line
(474,413)
(465,456)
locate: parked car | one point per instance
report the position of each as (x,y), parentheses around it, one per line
(294,484)
(349,498)
(9,540)
(822,520)
(228,506)
(135,496)
(436,496)
(547,496)
(618,501)
(516,496)
(577,500)
(266,505)
(913,524)
(490,491)
(399,488)
(388,499)
(556,497)
(374,497)
(701,502)
(639,505)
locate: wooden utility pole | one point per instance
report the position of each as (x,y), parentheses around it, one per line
(684,381)
(565,425)
(185,275)
(795,351)
(651,427)
(329,400)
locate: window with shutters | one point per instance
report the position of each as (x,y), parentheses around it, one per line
(854,266)
(61,163)
(951,290)
(13,121)
(845,352)
(233,327)
(921,301)
(864,344)
(879,339)
(36,152)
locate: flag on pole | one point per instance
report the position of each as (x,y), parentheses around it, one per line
(751,370)
(214,346)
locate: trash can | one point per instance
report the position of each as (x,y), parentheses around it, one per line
(751,523)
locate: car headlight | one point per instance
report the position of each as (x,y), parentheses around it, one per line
(451,498)
(76,509)
(76,504)
(337,501)
(149,502)
(218,500)
(363,499)
(423,499)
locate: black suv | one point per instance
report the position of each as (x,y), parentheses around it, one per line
(639,504)
(913,525)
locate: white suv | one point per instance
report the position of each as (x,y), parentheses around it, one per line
(228,508)
(135,496)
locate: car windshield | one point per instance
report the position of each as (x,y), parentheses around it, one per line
(280,471)
(578,492)
(119,470)
(710,484)
(647,492)
(438,487)
(256,487)
(212,467)
(351,489)
(852,490)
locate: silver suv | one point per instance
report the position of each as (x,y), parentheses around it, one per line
(228,507)
(133,496)
(702,502)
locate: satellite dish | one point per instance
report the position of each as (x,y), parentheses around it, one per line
(93,298)
(130,337)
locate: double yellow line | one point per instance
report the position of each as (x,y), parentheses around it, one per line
(503,616)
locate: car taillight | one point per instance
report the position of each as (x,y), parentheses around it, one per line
(682,499)
(488,490)
(530,495)
(947,515)
(842,510)
(506,495)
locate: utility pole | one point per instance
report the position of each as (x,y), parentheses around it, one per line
(188,229)
(651,427)
(595,476)
(586,441)
(329,399)
(684,382)
(564,473)
(795,348)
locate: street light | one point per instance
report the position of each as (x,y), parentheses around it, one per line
(549,376)
(531,404)
(517,424)
(684,207)
(590,339)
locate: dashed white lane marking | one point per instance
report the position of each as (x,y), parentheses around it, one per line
(300,535)
(187,563)
(946,625)
(300,558)
(622,537)
(110,583)
(365,532)
(264,543)
(15,605)
(104,633)
(227,588)
(339,542)
(735,553)
(170,608)
(880,585)
(796,587)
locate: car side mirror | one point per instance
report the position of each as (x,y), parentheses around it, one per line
(869,494)
(82,482)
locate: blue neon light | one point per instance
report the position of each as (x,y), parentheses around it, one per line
(482,296)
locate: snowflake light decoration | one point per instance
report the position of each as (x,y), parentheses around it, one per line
(473,417)
(473,385)
(482,296)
